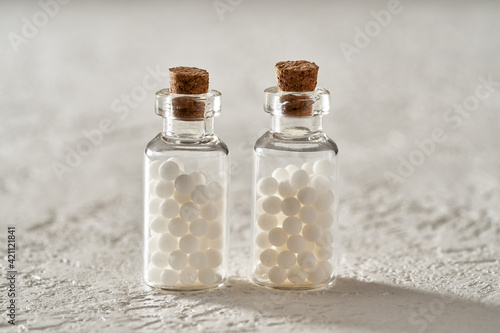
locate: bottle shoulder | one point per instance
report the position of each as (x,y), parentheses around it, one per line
(317,142)
(160,144)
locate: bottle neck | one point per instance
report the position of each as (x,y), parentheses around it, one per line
(296,126)
(188,130)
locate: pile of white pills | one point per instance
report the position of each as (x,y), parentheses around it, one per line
(185,233)
(294,225)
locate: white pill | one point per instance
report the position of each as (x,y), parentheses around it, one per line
(214,258)
(169,277)
(268,257)
(320,183)
(327,266)
(317,275)
(154,274)
(308,167)
(325,220)
(153,169)
(198,260)
(324,253)
(306,260)
(214,230)
(182,198)
(159,259)
(261,271)
(292,225)
(189,211)
(296,243)
(151,187)
(258,205)
(199,178)
(326,238)
(164,189)
(291,168)
(277,275)
(188,276)
(325,201)
(308,214)
(188,243)
(296,275)
(184,183)
(169,208)
(200,194)
(262,240)
(280,174)
(311,232)
(214,191)
(299,179)
(307,195)
(323,167)
(209,211)
(290,206)
(271,205)
(277,237)
(177,227)
(207,276)
(159,224)
(285,189)
(216,244)
(169,170)
(153,244)
(267,186)
(198,227)
(154,206)
(178,259)
(286,259)
(267,222)
(179,162)
(167,242)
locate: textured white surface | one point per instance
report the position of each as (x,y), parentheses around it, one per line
(419,256)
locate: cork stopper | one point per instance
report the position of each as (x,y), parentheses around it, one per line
(296,76)
(188,81)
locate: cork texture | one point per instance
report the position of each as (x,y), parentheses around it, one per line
(190,81)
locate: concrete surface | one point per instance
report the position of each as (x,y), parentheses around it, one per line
(420,254)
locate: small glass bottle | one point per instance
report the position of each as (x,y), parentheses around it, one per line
(185,195)
(295,206)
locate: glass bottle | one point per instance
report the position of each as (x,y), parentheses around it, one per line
(186,172)
(295,207)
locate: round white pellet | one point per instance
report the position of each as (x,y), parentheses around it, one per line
(267,222)
(325,201)
(311,232)
(324,253)
(296,243)
(291,168)
(169,170)
(323,167)
(188,243)
(214,191)
(198,260)
(290,206)
(258,205)
(159,224)
(320,183)
(326,238)
(178,259)
(177,227)
(153,244)
(153,169)
(184,183)
(296,275)
(308,214)
(151,186)
(182,198)
(306,260)
(277,275)
(308,166)
(285,189)
(286,259)
(325,220)
(188,276)
(268,257)
(327,266)
(216,244)
(198,227)
(207,276)
(189,211)
(292,225)
(159,259)
(209,211)
(280,174)
(267,186)
(167,242)
(154,274)
(214,230)
(277,236)
(262,240)
(169,208)
(199,178)
(179,162)
(299,179)
(214,258)
(271,205)
(261,271)
(307,195)
(164,189)
(154,206)
(169,277)
(200,195)
(317,275)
